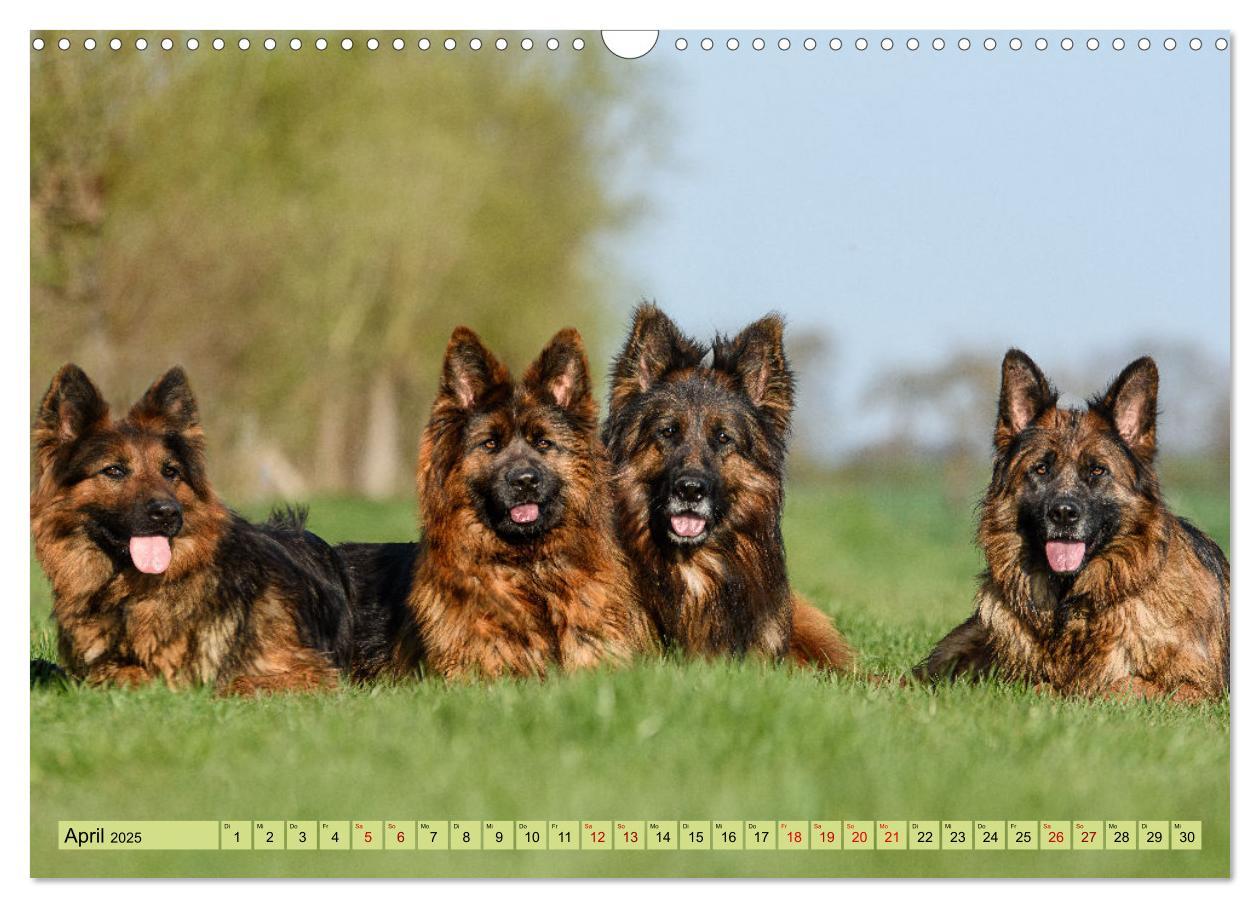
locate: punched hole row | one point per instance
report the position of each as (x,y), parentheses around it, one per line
(296,44)
(963,44)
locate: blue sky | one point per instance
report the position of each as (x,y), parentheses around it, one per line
(916,203)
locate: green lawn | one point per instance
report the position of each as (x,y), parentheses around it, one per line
(891,559)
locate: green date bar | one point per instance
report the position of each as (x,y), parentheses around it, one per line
(141,835)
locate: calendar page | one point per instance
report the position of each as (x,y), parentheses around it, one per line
(630,454)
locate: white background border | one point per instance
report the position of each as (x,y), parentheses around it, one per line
(1238,17)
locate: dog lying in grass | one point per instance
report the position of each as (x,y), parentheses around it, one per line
(153,578)
(518,571)
(698,450)
(1093,586)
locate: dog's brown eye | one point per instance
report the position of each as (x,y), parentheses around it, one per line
(724,439)
(490,444)
(543,444)
(1040,468)
(115,471)
(669,431)
(1097,470)
(170,472)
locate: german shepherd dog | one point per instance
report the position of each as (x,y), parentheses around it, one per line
(1093,586)
(152,577)
(698,455)
(518,569)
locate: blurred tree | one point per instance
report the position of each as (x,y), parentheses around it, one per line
(303,230)
(943,413)
(813,354)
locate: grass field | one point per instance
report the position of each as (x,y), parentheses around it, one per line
(892,559)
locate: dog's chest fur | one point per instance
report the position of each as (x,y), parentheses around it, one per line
(1167,633)
(708,606)
(170,628)
(497,618)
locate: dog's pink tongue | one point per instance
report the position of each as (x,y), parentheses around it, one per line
(1065,556)
(687,525)
(150,554)
(524,513)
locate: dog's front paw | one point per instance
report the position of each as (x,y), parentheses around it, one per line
(119,676)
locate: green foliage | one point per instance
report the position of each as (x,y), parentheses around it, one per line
(892,560)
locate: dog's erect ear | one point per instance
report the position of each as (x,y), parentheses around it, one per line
(1025,395)
(654,348)
(756,358)
(170,402)
(1130,404)
(561,372)
(71,407)
(469,371)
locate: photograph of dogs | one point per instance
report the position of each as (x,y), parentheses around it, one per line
(153,577)
(686,564)
(1093,586)
(698,439)
(518,570)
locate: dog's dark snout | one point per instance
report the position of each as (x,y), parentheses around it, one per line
(1064,512)
(165,514)
(523,479)
(691,487)
(162,508)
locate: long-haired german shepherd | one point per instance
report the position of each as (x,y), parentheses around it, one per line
(518,569)
(698,452)
(152,577)
(1093,586)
